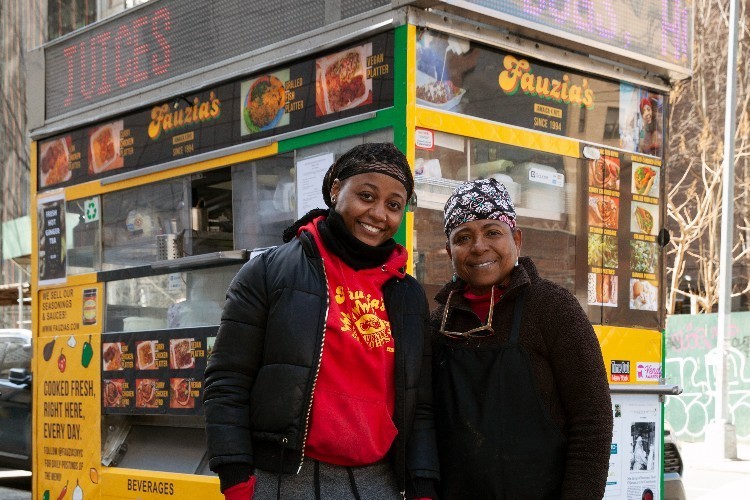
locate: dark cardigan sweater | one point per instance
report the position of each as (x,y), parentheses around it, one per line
(567,364)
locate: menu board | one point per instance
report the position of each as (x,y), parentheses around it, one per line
(156,372)
(623,221)
(346,82)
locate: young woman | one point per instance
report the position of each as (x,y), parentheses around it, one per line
(522,404)
(319,383)
(650,137)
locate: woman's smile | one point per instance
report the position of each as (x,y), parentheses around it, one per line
(370,228)
(483,264)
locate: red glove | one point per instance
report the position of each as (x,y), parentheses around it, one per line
(242,491)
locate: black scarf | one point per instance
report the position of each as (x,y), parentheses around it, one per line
(342,243)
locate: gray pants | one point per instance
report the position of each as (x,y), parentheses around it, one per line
(322,481)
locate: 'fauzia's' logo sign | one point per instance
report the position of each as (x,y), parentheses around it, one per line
(518,74)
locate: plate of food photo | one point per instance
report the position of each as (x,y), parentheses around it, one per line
(112,356)
(181,354)
(645,180)
(440,94)
(343,79)
(264,103)
(603,211)
(644,256)
(145,355)
(602,289)
(179,393)
(643,218)
(54,164)
(643,295)
(104,148)
(604,172)
(602,250)
(113,393)
(145,393)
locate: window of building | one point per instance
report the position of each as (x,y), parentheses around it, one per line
(66,16)
(612,124)
(582,121)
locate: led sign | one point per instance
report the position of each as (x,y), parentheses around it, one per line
(164,40)
(657,29)
(141,50)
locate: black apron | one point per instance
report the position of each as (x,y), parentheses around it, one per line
(495,438)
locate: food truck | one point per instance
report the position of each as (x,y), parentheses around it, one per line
(173,143)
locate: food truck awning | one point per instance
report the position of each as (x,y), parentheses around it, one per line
(16,237)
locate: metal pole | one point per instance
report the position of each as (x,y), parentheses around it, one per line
(20,303)
(721,436)
(20,296)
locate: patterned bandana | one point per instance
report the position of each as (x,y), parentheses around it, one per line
(379,157)
(479,200)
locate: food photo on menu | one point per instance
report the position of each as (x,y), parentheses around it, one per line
(145,355)
(104,148)
(179,393)
(181,354)
(341,81)
(604,173)
(643,218)
(602,290)
(263,101)
(644,295)
(645,180)
(145,393)
(602,250)
(604,211)
(113,393)
(644,256)
(112,356)
(54,161)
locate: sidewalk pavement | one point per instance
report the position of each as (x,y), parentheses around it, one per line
(707,478)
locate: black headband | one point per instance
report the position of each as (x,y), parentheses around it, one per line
(379,157)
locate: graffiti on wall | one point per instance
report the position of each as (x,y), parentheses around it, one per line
(691,362)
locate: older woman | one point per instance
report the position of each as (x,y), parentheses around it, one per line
(319,384)
(522,404)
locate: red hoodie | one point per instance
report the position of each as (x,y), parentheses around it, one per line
(354,396)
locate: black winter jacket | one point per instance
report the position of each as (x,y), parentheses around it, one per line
(261,374)
(567,366)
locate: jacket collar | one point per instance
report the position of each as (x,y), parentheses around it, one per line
(308,244)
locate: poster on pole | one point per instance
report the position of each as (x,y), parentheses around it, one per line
(635,461)
(52,244)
